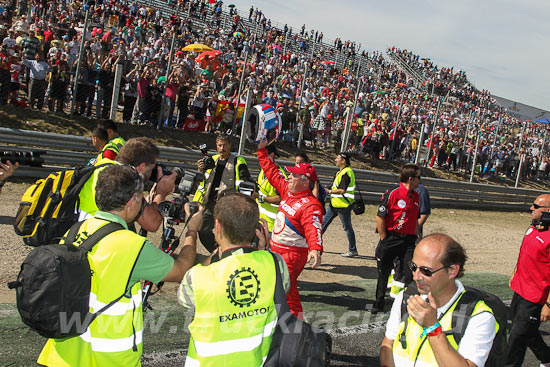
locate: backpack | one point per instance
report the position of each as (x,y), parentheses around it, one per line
(54,283)
(49,207)
(295,343)
(461,317)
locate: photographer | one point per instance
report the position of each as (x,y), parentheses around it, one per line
(142,154)
(248,300)
(224,176)
(120,261)
(6,170)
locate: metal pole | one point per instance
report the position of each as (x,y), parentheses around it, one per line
(396,125)
(242,76)
(243,125)
(475,156)
(347,128)
(80,53)
(433,132)
(116,90)
(168,71)
(422,128)
(465,137)
(301,126)
(284,45)
(519,170)
(467,130)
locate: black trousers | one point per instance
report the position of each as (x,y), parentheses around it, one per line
(392,247)
(525,332)
(205,232)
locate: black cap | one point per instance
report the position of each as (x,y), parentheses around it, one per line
(346,156)
(271,148)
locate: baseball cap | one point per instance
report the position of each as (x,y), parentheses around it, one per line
(305,169)
(273,149)
(345,155)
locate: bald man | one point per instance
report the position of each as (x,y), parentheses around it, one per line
(418,337)
(531,285)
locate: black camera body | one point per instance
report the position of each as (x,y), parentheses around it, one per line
(174,209)
(544,222)
(207,160)
(32,159)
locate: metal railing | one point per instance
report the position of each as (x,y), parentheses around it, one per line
(68,151)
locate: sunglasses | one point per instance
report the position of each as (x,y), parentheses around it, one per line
(537,206)
(424,270)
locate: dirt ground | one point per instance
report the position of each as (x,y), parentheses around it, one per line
(491,239)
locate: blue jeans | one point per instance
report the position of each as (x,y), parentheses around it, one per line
(345,218)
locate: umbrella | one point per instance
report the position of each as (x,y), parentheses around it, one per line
(379,92)
(118,39)
(211,54)
(327,62)
(544,121)
(196,47)
(238,34)
(231,5)
(402,85)
(56,43)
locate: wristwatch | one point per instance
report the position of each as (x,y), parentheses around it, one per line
(547,303)
(2,183)
(260,199)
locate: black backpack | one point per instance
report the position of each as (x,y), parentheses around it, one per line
(463,313)
(53,286)
(295,343)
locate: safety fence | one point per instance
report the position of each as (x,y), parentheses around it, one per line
(67,150)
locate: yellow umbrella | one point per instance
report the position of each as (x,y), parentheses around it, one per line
(197,47)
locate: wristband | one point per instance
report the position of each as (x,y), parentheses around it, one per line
(436,332)
(547,303)
(430,329)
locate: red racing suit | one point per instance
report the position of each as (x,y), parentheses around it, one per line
(297,228)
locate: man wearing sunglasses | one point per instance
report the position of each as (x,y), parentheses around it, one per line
(396,223)
(418,330)
(531,285)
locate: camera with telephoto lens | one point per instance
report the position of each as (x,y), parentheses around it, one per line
(165,172)
(174,209)
(32,159)
(207,160)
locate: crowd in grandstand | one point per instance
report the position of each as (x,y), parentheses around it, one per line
(40,52)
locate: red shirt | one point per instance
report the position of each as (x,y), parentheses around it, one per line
(532,277)
(400,208)
(48,36)
(299,220)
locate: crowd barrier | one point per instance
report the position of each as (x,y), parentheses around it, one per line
(68,150)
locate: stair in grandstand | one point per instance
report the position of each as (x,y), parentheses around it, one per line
(340,58)
(418,78)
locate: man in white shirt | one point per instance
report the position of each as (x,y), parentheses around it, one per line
(421,339)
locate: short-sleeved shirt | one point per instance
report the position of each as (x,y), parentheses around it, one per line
(186,294)
(152,264)
(477,340)
(532,277)
(425,208)
(400,208)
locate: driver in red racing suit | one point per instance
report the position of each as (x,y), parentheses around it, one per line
(297,231)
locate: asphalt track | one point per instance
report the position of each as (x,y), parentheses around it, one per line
(342,308)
